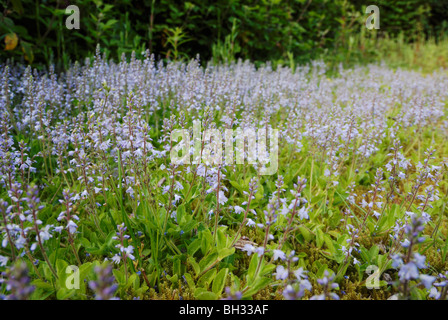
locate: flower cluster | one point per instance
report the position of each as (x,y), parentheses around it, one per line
(87,149)
(410,263)
(327,284)
(125,252)
(296,280)
(17,282)
(104,287)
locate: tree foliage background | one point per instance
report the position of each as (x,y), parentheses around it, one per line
(261,30)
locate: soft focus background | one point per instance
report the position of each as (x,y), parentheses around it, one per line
(412,33)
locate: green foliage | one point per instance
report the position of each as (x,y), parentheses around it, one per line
(284,32)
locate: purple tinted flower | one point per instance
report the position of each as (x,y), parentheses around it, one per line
(278,254)
(427,280)
(17,282)
(104,287)
(232,295)
(281,273)
(408,271)
(327,284)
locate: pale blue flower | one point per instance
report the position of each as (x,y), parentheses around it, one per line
(279,254)
(427,280)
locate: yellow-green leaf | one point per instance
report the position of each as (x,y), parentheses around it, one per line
(11,41)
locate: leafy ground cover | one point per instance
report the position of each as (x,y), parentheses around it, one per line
(92,207)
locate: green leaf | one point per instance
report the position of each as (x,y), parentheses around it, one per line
(203,294)
(267,268)
(42,284)
(252,268)
(189,225)
(193,247)
(119,276)
(305,233)
(364,254)
(259,284)
(189,280)
(260,193)
(178,266)
(225,252)
(373,252)
(383,262)
(207,241)
(17,5)
(208,260)
(28,51)
(131,281)
(85,242)
(237,186)
(329,243)
(180,214)
(63,294)
(110,23)
(84,270)
(61,267)
(205,280)
(173,278)
(220,281)
(222,240)
(319,238)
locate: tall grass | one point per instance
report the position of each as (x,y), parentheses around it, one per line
(422,54)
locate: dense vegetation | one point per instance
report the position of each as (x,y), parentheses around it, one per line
(92,205)
(276,31)
(360,189)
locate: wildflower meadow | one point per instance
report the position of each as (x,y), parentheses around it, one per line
(93,207)
(223,150)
